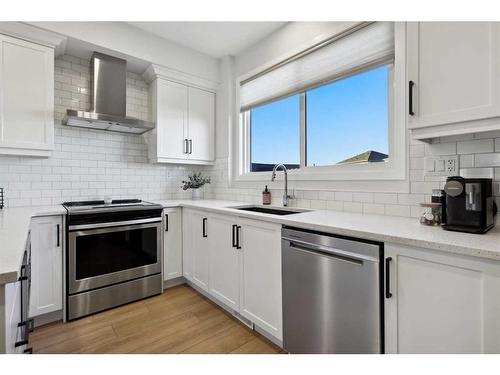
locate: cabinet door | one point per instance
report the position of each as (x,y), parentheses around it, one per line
(199,229)
(26,98)
(454,66)
(201,124)
(260,276)
(10,311)
(224,261)
(46,265)
(171,108)
(441,303)
(187,244)
(172,243)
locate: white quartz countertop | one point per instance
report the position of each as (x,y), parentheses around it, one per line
(15,222)
(398,230)
(14,227)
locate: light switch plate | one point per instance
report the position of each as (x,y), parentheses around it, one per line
(441,165)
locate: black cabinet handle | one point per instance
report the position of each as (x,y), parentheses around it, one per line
(58,235)
(185,145)
(238,228)
(388,293)
(29,324)
(190,146)
(28,351)
(235,228)
(21,343)
(166,222)
(205,227)
(410,98)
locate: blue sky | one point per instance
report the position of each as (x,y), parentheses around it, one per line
(344,118)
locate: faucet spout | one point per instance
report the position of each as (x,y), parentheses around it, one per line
(286,197)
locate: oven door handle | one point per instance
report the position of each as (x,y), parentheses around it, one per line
(115,223)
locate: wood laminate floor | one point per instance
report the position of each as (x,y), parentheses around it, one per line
(179,321)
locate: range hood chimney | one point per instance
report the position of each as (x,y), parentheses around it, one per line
(108,99)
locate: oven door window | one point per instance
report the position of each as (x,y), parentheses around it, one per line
(118,250)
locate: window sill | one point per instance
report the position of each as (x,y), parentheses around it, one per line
(383,177)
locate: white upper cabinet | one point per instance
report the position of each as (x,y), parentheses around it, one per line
(46,265)
(184,113)
(453,77)
(26,98)
(172,243)
(170,111)
(441,303)
(201,124)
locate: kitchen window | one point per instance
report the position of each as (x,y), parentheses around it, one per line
(329,114)
(345,122)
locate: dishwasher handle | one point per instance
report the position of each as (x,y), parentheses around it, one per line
(348,256)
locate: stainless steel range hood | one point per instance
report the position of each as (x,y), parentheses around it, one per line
(108,91)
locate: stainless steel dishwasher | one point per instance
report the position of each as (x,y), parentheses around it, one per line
(331,294)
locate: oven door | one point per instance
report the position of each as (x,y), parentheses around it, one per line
(99,257)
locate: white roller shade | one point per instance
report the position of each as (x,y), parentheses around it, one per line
(367,46)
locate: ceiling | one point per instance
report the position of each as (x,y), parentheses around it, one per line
(215,39)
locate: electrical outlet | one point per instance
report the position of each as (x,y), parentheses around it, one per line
(451,166)
(441,165)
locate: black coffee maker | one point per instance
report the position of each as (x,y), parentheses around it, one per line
(468,205)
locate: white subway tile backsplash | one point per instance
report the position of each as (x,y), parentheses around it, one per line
(362,197)
(373,208)
(343,196)
(353,207)
(439,149)
(388,198)
(397,210)
(466,161)
(485,160)
(477,172)
(476,146)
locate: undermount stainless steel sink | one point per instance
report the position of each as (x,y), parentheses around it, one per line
(271,210)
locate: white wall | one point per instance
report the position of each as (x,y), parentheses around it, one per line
(129,40)
(284,42)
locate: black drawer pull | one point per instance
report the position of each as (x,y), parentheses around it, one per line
(233,242)
(238,229)
(205,227)
(388,293)
(28,351)
(58,235)
(410,98)
(21,343)
(166,222)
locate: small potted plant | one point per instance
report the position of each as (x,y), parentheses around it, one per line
(195,182)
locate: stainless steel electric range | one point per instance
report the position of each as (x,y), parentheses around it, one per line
(113,254)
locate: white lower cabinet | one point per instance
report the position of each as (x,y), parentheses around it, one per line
(195,247)
(240,262)
(224,261)
(10,316)
(46,265)
(260,275)
(172,243)
(441,303)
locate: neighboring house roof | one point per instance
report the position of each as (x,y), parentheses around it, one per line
(366,157)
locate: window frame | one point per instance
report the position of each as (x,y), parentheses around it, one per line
(395,168)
